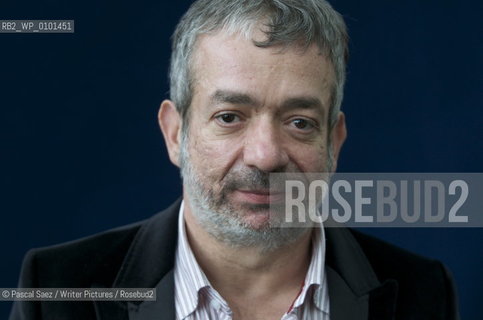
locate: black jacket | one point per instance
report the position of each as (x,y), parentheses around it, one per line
(367,278)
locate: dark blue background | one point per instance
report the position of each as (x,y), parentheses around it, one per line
(81,151)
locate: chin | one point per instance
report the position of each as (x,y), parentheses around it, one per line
(257,220)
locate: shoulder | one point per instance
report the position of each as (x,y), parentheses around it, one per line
(79,263)
(419,278)
(97,259)
(389,261)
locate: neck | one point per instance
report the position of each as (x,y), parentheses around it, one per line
(247,273)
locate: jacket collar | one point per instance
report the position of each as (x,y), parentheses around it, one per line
(149,263)
(354,289)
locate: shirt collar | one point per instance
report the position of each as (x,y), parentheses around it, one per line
(315,279)
(190,279)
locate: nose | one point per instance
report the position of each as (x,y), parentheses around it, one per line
(263,147)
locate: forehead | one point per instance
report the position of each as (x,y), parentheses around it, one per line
(232,62)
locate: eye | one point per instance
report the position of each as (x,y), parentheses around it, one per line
(227,118)
(303,124)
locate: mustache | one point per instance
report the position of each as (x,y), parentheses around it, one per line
(256,179)
(247,179)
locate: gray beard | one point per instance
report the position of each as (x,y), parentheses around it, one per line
(217,216)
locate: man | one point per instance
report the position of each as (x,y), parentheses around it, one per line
(256,88)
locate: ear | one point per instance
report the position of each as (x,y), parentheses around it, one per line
(170,122)
(338,136)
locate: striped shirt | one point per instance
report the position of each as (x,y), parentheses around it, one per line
(195,298)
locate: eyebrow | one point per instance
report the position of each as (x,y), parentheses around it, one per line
(239,98)
(303,103)
(232,97)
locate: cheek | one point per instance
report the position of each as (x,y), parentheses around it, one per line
(211,158)
(310,158)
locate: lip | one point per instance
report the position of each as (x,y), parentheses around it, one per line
(260,196)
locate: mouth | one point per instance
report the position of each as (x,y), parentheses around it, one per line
(260,196)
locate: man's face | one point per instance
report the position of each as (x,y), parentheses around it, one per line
(254,111)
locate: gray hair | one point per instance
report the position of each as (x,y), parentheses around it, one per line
(288,22)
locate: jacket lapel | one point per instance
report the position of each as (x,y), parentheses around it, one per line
(163,308)
(382,301)
(149,263)
(344,303)
(110,309)
(354,290)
